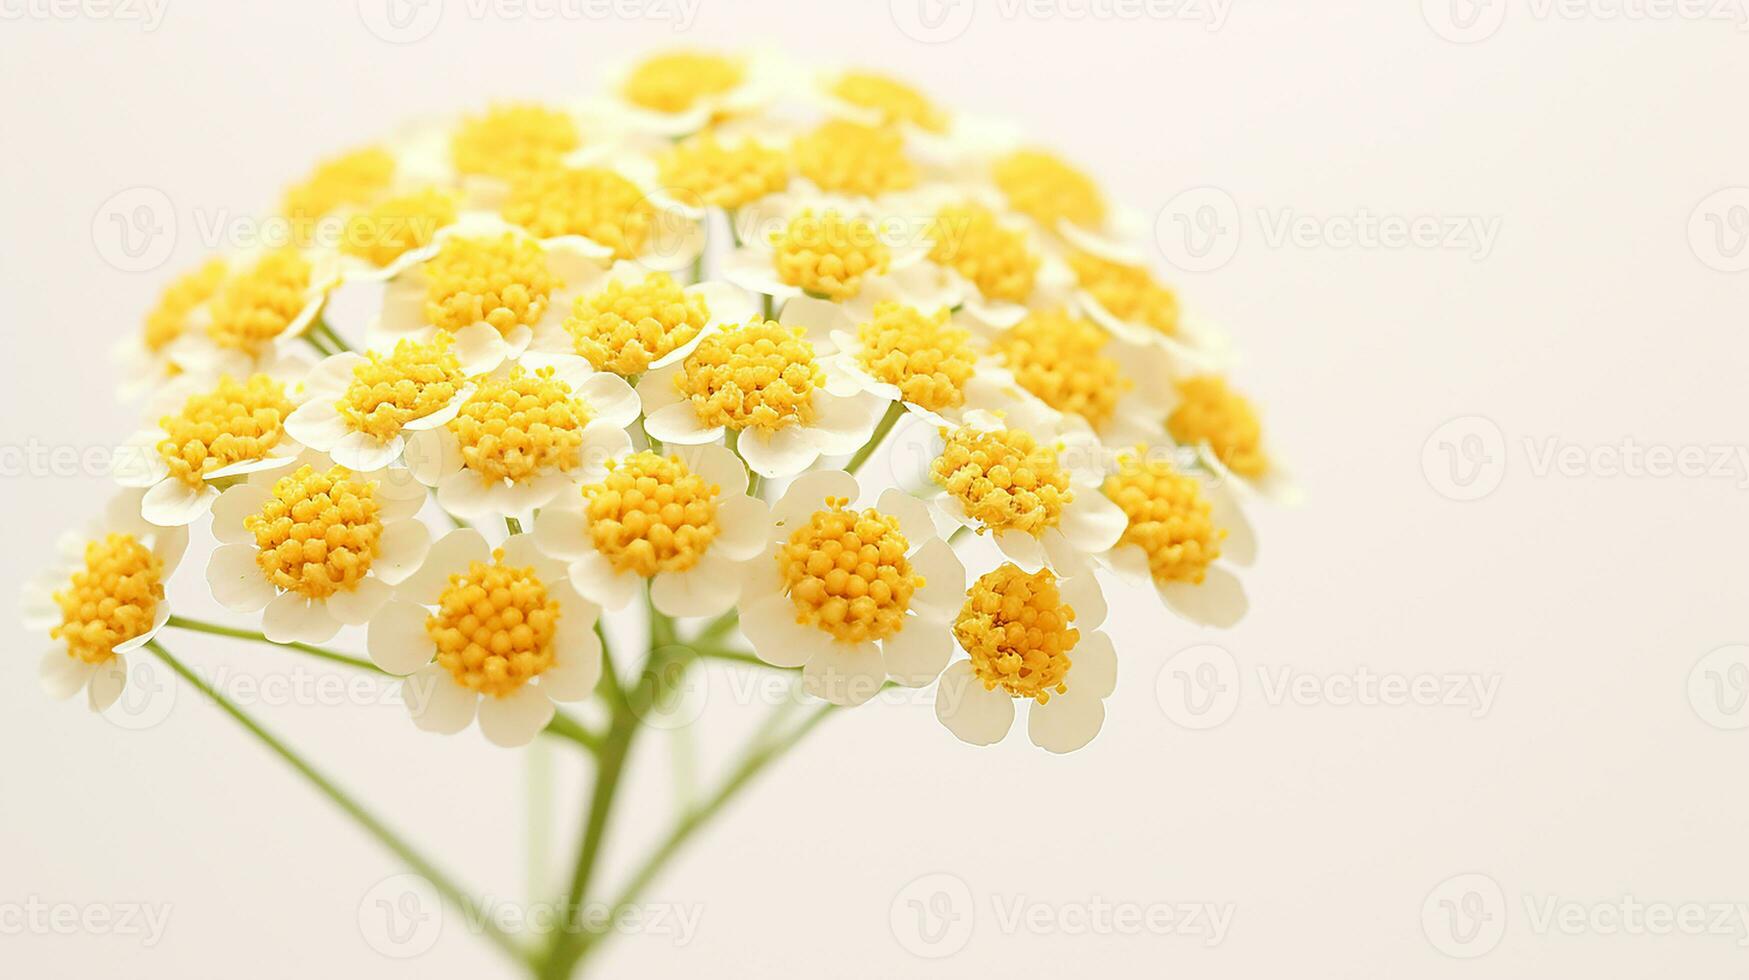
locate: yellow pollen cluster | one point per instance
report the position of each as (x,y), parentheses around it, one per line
(255,306)
(111,600)
(494,627)
(850,158)
(1016,628)
(1042,186)
(676,81)
(398,225)
(1004,479)
(927,358)
(351,178)
(701,170)
(969,239)
(1128,292)
(826,255)
(318,533)
(589,201)
(893,99)
(510,140)
(847,573)
(390,390)
(182,297)
(651,514)
(759,376)
(519,425)
(236,421)
(1060,358)
(624,327)
(1209,411)
(504,281)
(1169,519)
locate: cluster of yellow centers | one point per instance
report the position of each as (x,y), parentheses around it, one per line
(847,573)
(256,305)
(926,357)
(1209,411)
(503,280)
(759,376)
(676,81)
(519,425)
(510,140)
(354,178)
(827,255)
(892,99)
(111,600)
(390,390)
(846,157)
(398,225)
(590,201)
(1128,292)
(234,422)
(623,328)
(1169,519)
(652,514)
(318,532)
(1004,479)
(1061,359)
(969,239)
(1048,190)
(701,170)
(1016,627)
(494,627)
(186,292)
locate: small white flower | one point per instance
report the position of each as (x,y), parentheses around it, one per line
(623,344)
(360,407)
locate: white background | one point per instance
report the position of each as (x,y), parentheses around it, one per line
(1588,595)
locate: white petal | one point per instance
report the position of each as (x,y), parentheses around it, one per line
(656,389)
(237,582)
(576,659)
(291,618)
(609,398)
(1067,722)
(603,440)
(972,713)
(1240,544)
(1093,664)
(809,493)
(913,514)
(744,527)
(845,673)
(361,452)
(707,589)
(356,606)
(915,655)
(594,578)
(515,719)
(40,611)
(1093,522)
(450,555)
(944,581)
(717,465)
(769,623)
(464,494)
(106,683)
(400,551)
(173,503)
(283,456)
(1083,594)
(401,495)
(562,533)
(234,505)
(678,423)
(1021,548)
(726,302)
(819,318)
(1219,600)
(62,674)
(432,454)
(844,424)
(480,348)
(773,455)
(397,640)
(437,703)
(317,424)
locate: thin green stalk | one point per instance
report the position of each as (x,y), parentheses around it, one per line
(445,885)
(333,337)
(198,626)
(718,628)
(315,341)
(512,525)
(736,657)
(894,412)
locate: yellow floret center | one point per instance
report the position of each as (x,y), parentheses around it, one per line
(1047,189)
(652,514)
(969,239)
(111,600)
(494,627)
(589,201)
(892,99)
(169,319)
(318,532)
(827,255)
(1169,519)
(235,422)
(926,357)
(504,281)
(676,81)
(508,141)
(847,573)
(702,170)
(1209,411)
(1061,359)
(1128,292)
(521,425)
(255,306)
(1004,479)
(398,225)
(354,178)
(390,390)
(625,327)
(759,376)
(846,157)
(1016,628)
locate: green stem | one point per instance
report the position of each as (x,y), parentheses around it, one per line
(736,657)
(512,525)
(315,341)
(195,625)
(334,338)
(718,628)
(894,411)
(376,828)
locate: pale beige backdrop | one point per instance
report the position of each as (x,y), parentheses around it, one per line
(1520,447)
